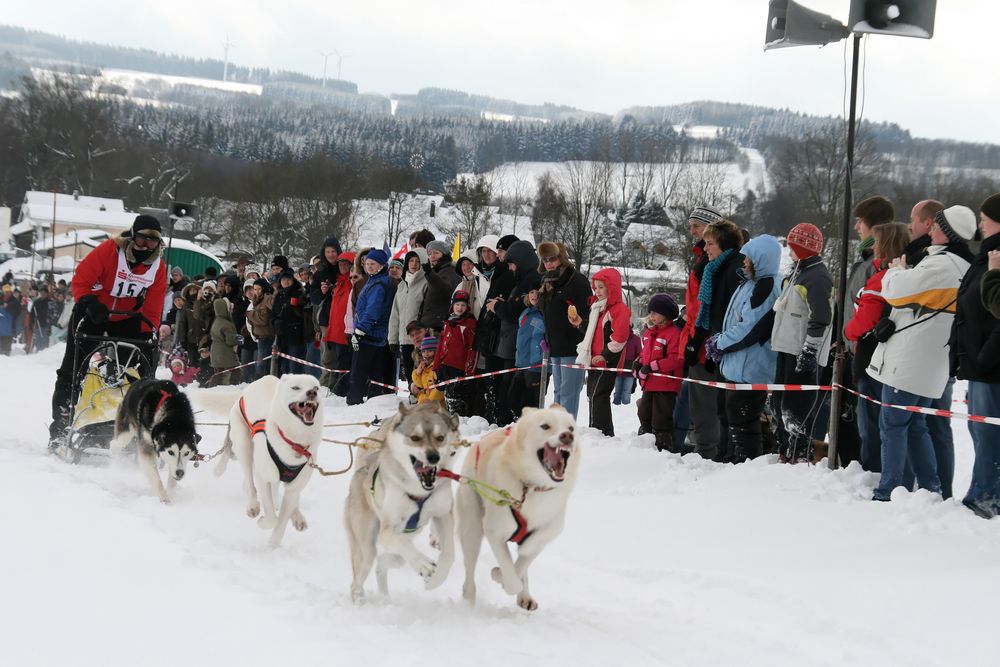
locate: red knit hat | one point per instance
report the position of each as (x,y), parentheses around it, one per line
(806,240)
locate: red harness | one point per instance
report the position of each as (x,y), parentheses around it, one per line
(163,399)
(521,531)
(286,472)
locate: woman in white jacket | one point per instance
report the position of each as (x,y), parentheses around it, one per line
(912,363)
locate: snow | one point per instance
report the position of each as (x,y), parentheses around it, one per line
(130,79)
(664,561)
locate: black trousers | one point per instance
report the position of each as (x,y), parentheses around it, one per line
(491,400)
(62,395)
(525,390)
(600,386)
(794,411)
(343,355)
(656,415)
(743,411)
(368,361)
(406,363)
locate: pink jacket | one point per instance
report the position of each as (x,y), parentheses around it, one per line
(659,352)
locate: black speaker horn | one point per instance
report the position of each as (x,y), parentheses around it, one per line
(903,18)
(791,24)
(179,209)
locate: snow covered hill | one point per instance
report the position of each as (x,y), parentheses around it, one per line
(664,561)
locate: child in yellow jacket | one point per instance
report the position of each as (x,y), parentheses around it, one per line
(424,375)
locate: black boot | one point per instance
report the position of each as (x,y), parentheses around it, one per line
(665,442)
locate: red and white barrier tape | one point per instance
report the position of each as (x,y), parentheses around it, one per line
(465,378)
(228,370)
(728,386)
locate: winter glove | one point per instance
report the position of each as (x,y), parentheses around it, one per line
(96,311)
(712,350)
(356,339)
(426,267)
(806,361)
(240,339)
(394,348)
(691,354)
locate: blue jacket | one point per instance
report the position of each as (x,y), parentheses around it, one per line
(9,317)
(371,315)
(530,334)
(746,329)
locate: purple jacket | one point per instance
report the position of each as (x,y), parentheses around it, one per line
(633,348)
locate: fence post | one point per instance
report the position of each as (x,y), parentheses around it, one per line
(541,385)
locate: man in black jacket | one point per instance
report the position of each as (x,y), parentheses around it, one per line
(921,220)
(495,339)
(975,356)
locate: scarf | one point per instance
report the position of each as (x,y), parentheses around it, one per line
(864,245)
(705,293)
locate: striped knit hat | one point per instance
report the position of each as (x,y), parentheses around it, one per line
(806,240)
(705,215)
(957,222)
(428,343)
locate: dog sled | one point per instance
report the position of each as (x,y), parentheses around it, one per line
(101,379)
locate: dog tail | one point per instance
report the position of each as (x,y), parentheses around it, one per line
(227,453)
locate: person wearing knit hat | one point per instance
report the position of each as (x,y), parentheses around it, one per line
(958,223)
(973,348)
(801,335)
(806,240)
(659,356)
(460,296)
(439,246)
(664,304)
(912,361)
(424,376)
(991,207)
(705,215)
(248,283)
(441,282)
(503,244)
(377,255)
(456,355)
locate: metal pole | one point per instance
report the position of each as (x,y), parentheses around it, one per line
(541,385)
(53,264)
(836,396)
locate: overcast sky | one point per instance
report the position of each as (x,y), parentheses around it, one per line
(600,55)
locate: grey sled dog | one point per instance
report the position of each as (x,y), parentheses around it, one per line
(274,430)
(535,460)
(157,418)
(396,491)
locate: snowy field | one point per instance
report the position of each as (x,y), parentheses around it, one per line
(664,561)
(522,177)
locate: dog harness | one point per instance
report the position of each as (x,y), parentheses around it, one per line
(414,521)
(286,473)
(164,395)
(521,530)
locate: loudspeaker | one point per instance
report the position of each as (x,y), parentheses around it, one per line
(179,209)
(904,18)
(791,24)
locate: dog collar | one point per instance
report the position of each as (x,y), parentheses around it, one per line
(260,426)
(163,399)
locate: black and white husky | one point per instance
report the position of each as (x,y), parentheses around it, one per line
(156,418)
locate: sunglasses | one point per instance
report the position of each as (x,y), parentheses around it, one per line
(549,260)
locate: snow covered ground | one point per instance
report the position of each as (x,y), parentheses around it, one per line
(664,561)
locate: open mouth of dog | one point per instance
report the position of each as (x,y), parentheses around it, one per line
(305,410)
(427,474)
(554,459)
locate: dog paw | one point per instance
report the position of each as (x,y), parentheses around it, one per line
(526,602)
(299,521)
(267,522)
(165,499)
(512,587)
(469,593)
(253,510)
(425,567)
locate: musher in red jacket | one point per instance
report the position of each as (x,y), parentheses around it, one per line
(124,273)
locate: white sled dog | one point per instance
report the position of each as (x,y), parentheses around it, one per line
(535,460)
(156,417)
(275,430)
(396,491)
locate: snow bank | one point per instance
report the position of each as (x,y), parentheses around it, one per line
(665,561)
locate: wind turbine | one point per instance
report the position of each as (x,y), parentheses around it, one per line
(225,63)
(340,62)
(326,57)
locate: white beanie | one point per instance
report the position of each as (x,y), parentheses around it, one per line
(957,222)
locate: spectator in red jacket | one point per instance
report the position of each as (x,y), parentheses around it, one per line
(891,239)
(124,273)
(455,355)
(336,327)
(604,345)
(660,344)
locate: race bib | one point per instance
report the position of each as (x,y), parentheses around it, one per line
(132,285)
